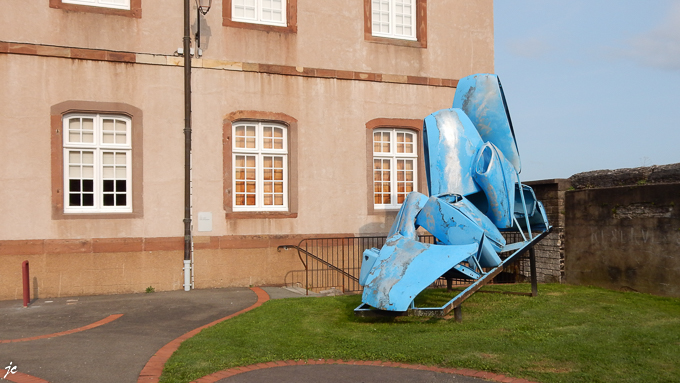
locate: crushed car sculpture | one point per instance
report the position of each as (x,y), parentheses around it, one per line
(472,165)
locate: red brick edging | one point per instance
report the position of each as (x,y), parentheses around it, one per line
(154,367)
(212,378)
(19,377)
(104,321)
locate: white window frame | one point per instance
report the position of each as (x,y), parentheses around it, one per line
(260,7)
(99,149)
(393,19)
(393,157)
(115,4)
(259,152)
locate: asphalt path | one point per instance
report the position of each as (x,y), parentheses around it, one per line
(110,338)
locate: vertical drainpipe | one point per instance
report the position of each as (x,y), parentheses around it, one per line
(187,147)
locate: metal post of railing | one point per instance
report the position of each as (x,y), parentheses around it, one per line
(532,266)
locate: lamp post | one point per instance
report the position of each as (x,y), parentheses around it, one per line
(203,6)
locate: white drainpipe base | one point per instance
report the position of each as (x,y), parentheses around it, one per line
(187,275)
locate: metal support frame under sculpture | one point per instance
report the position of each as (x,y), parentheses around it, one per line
(472,164)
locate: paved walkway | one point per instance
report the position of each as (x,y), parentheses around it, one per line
(128,338)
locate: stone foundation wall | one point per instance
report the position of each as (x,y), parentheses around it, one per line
(623,230)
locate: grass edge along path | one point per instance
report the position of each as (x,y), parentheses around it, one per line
(566,334)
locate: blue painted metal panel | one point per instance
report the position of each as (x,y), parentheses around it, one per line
(451,142)
(406,267)
(403,223)
(481,97)
(455,221)
(497,177)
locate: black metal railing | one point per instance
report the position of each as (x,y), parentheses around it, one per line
(335,263)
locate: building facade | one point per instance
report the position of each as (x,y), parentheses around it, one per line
(307,122)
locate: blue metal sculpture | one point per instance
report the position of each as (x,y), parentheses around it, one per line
(472,165)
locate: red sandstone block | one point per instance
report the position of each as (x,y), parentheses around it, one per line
(4,47)
(121,57)
(365,76)
(67,246)
(417,80)
(345,75)
(88,54)
(117,245)
(326,73)
(163,244)
(280,363)
(52,51)
(434,81)
(25,49)
(22,247)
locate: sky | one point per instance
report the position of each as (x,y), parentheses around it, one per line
(590,84)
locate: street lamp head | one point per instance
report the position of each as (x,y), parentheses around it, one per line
(204,6)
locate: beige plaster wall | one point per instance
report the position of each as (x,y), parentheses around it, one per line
(330,35)
(331,113)
(34,85)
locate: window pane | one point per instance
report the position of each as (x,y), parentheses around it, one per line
(250,174)
(74,199)
(74,185)
(267,174)
(121,185)
(74,130)
(74,172)
(88,172)
(88,199)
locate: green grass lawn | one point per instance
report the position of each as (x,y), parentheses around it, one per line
(566,334)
